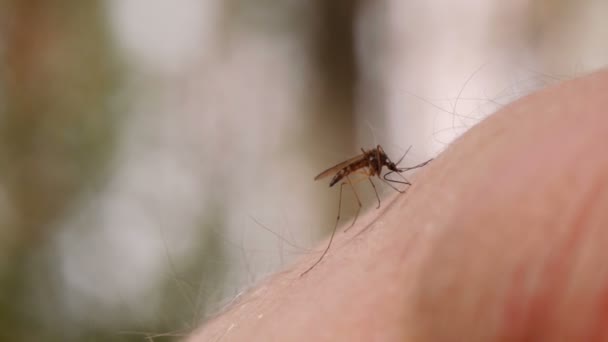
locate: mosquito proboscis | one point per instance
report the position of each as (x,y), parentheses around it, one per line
(368,164)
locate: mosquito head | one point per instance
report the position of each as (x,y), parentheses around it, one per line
(390,165)
(384,160)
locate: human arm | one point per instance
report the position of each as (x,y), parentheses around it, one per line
(503,237)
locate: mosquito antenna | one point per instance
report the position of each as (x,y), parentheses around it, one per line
(405,181)
(403,156)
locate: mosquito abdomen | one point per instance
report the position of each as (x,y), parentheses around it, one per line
(338,177)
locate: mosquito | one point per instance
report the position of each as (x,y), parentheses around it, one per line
(368,164)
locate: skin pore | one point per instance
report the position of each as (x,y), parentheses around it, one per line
(504,237)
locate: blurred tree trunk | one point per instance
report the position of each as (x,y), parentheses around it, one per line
(56,128)
(333,119)
(334,54)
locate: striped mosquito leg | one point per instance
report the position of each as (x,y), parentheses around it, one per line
(333,232)
(375,191)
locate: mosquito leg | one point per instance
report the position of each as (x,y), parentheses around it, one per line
(333,232)
(376,192)
(388,182)
(358,203)
(405,169)
(405,181)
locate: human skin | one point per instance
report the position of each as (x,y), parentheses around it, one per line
(503,237)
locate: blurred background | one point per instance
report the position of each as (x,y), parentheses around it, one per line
(157,157)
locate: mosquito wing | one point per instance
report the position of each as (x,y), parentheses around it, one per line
(334,169)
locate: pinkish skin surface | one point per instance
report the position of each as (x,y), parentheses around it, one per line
(504,237)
